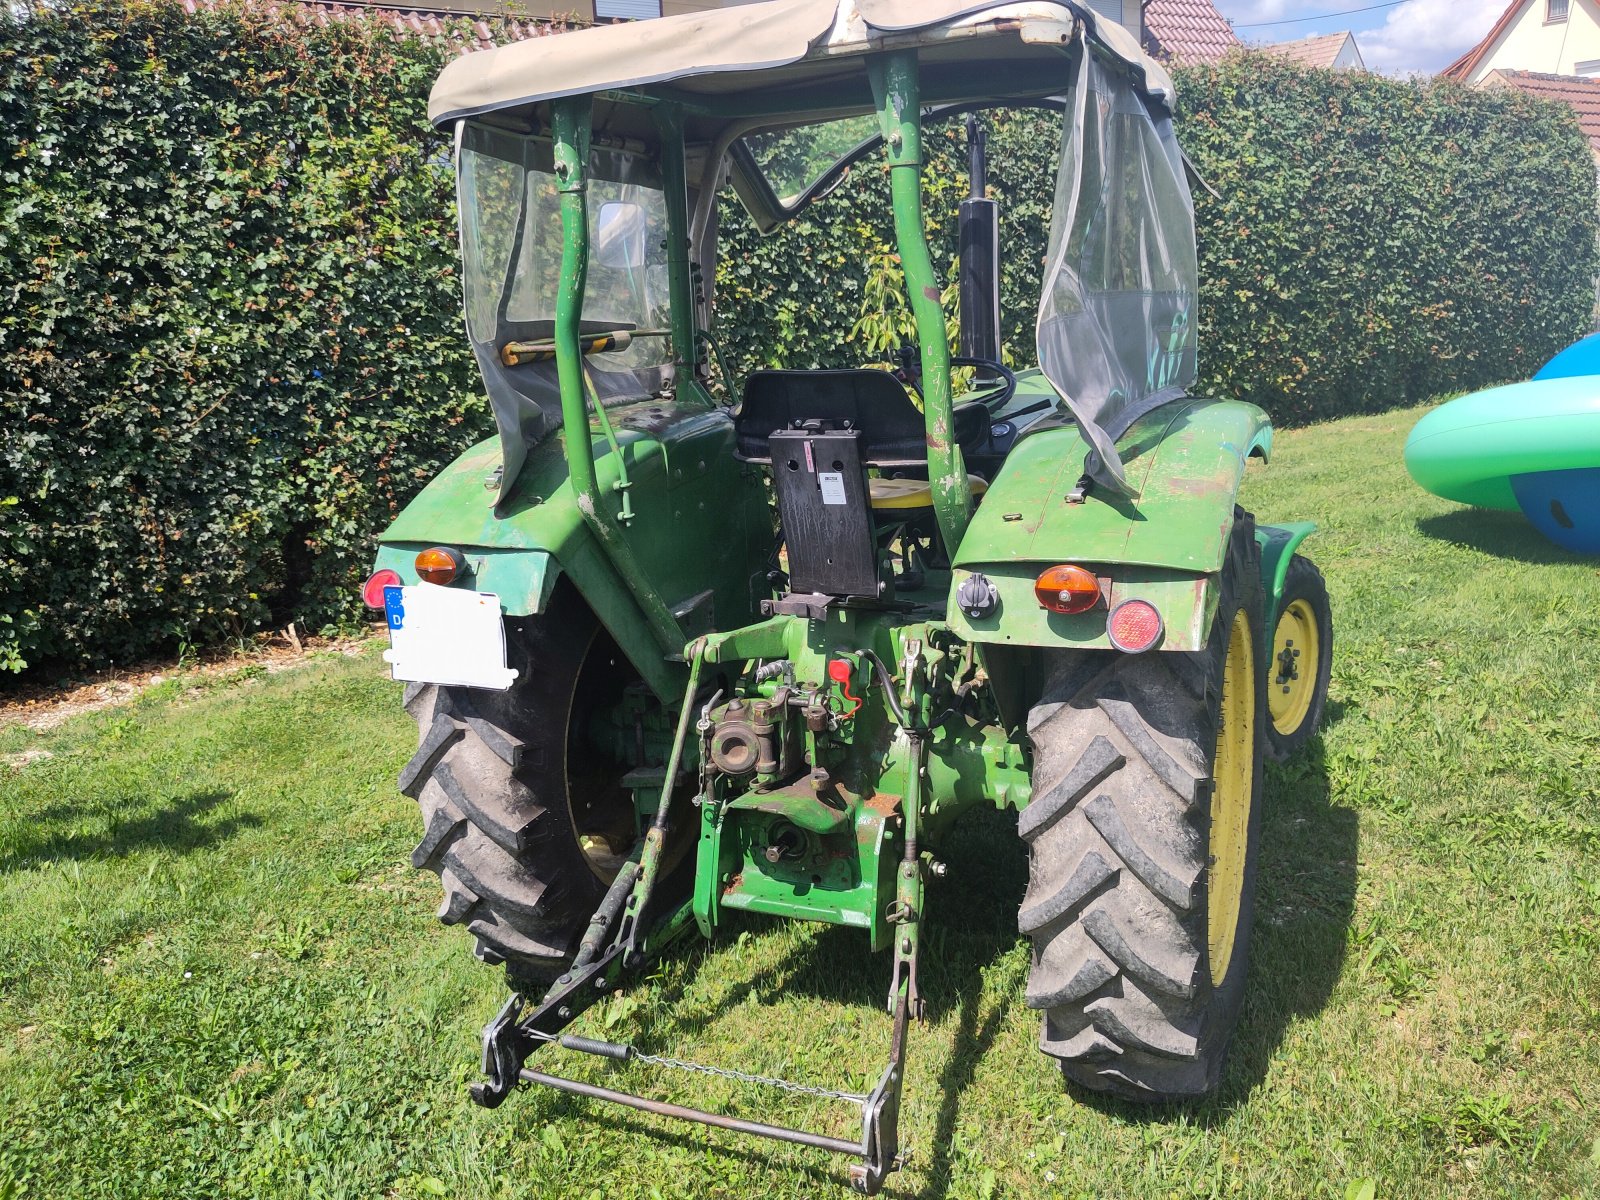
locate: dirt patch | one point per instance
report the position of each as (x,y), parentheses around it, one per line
(24,758)
(40,707)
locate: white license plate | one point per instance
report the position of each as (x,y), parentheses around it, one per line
(446,635)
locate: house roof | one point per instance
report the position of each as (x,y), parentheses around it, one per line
(1321,50)
(1582,94)
(1464,66)
(1187,31)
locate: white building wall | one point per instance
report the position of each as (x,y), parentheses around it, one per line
(1554,47)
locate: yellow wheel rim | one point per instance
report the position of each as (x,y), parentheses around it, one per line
(1233,778)
(1292,673)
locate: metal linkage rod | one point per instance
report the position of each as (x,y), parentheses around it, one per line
(655,838)
(777,1133)
(627,1052)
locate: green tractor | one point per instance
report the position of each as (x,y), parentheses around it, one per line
(680,645)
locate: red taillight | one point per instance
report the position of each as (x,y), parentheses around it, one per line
(1134,626)
(1067,589)
(372,589)
(439,565)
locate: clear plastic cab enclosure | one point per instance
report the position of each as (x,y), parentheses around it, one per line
(511,244)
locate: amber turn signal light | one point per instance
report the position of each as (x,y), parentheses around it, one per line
(1068,590)
(440,565)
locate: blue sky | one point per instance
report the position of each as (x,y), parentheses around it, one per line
(1415,35)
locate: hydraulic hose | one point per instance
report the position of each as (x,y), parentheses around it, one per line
(886,681)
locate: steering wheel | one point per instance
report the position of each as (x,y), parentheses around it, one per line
(1006,387)
(1003,388)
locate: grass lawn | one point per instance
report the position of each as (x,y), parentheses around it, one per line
(219,976)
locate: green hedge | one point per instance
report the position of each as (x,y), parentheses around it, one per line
(1373,242)
(229,333)
(229,342)
(1379,242)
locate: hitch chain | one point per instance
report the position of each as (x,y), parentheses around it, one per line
(787,1085)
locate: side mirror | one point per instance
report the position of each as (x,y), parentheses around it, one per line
(622,230)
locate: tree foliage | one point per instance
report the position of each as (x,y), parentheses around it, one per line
(229,319)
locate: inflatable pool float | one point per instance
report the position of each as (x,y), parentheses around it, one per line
(1531,446)
(1580,358)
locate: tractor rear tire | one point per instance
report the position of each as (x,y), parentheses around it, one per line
(1300,660)
(1142,835)
(510,837)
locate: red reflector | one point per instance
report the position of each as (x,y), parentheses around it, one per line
(1135,626)
(372,590)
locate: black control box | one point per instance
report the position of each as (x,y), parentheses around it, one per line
(826,511)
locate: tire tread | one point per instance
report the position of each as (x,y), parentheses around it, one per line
(489,777)
(1118,857)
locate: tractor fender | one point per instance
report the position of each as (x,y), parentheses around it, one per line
(680,474)
(1165,544)
(1278,546)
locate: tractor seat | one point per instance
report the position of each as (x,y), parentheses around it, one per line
(893,432)
(903,495)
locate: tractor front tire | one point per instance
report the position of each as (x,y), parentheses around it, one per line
(494,774)
(1300,663)
(1142,836)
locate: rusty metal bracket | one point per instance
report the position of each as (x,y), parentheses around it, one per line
(511,1037)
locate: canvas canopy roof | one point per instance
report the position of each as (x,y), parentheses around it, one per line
(759,50)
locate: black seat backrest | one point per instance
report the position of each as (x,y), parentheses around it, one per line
(874,402)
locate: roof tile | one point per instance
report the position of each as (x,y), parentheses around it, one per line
(1582,94)
(467,34)
(1187,31)
(1321,50)
(1469,62)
